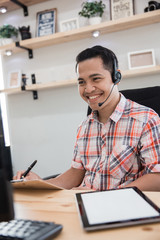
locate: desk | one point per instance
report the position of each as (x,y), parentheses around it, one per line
(60,206)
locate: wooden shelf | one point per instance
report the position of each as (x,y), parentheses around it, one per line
(58,84)
(12,6)
(141,72)
(86,32)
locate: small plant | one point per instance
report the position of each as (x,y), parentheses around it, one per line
(92,9)
(8,31)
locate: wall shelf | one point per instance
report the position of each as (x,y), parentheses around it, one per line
(141,72)
(86,32)
(58,84)
(12,6)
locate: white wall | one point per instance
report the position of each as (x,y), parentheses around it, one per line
(45,129)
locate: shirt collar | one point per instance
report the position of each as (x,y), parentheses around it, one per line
(116,115)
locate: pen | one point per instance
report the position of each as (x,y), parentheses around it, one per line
(28,170)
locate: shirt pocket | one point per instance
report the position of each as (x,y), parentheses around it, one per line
(122,161)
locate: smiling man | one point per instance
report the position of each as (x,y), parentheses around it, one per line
(118,144)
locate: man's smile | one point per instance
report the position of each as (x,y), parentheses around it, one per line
(93,98)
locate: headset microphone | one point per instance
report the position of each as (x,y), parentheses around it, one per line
(116,81)
(100,104)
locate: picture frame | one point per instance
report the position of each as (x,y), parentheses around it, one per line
(14,79)
(121,9)
(141,59)
(46,22)
(69,24)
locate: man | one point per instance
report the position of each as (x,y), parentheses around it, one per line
(118,144)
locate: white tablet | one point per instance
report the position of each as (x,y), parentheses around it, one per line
(115,208)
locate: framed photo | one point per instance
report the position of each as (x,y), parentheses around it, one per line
(14,79)
(141,59)
(121,8)
(69,24)
(46,22)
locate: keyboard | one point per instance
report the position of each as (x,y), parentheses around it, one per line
(22,229)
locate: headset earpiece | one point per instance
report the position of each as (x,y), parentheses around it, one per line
(116,73)
(118,77)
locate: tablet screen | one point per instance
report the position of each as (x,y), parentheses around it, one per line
(116,206)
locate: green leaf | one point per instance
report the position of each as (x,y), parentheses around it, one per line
(8,31)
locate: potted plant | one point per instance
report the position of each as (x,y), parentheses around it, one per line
(7,32)
(93,10)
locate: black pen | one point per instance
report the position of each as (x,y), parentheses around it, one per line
(28,170)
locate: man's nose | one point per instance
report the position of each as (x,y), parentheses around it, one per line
(89,88)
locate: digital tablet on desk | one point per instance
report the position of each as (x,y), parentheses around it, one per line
(115,208)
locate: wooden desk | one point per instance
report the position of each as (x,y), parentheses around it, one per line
(59,206)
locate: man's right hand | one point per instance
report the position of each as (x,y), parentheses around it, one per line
(30,176)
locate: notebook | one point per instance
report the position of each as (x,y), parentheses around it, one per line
(115,208)
(34,184)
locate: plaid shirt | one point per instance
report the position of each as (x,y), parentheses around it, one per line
(123,149)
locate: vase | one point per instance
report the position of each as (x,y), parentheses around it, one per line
(6,41)
(95,20)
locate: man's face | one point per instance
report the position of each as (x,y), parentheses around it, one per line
(95,82)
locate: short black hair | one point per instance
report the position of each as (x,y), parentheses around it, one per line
(110,61)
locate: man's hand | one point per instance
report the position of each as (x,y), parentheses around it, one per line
(30,176)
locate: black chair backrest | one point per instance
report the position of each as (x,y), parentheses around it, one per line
(149,97)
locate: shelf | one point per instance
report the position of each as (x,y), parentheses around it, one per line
(141,72)
(58,84)
(40,86)
(86,32)
(12,6)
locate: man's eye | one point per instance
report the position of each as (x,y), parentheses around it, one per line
(81,82)
(96,79)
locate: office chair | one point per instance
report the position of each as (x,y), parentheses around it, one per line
(149,97)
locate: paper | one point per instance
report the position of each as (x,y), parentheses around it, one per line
(34,184)
(18,180)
